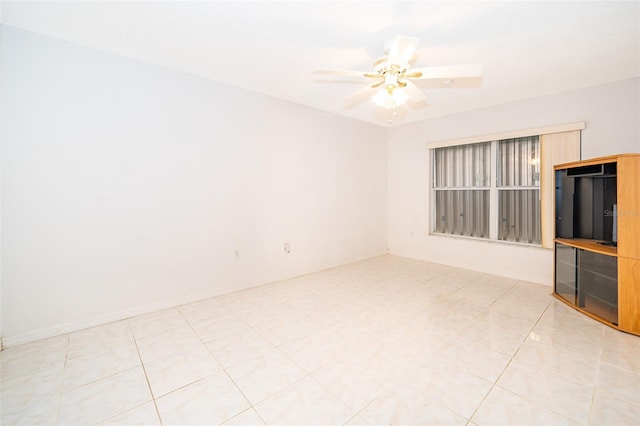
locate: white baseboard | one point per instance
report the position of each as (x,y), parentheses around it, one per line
(70,327)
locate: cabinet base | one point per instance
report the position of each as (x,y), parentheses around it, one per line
(590,315)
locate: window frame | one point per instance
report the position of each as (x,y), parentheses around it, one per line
(494,193)
(485,186)
(560,143)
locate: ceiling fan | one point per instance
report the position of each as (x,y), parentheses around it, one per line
(393,75)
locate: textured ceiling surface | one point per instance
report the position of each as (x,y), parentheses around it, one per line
(528,49)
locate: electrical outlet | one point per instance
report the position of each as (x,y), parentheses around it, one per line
(236,255)
(287,248)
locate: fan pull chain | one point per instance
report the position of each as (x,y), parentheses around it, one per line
(393,115)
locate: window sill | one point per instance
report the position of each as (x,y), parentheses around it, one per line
(487,240)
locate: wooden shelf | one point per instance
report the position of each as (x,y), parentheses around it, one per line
(597,272)
(589,245)
(593,161)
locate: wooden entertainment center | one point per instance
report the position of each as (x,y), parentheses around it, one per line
(597,244)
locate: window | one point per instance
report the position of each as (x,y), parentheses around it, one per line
(461,184)
(488,190)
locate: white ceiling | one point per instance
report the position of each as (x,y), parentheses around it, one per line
(528,49)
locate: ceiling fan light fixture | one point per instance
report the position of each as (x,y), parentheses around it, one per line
(384,99)
(390,99)
(400,96)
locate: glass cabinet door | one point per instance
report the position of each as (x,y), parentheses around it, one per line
(598,285)
(566,263)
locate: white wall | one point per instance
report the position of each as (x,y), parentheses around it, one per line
(612,117)
(127,187)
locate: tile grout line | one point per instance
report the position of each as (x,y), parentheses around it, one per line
(146,376)
(595,383)
(310,375)
(277,348)
(225,372)
(64,373)
(493,385)
(540,403)
(512,358)
(251,406)
(360,411)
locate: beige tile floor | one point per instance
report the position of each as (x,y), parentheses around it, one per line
(383,341)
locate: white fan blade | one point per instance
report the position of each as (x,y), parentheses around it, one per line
(361,95)
(414,92)
(448,72)
(344,72)
(402,50)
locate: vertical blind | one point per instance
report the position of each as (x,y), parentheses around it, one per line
(463,166)
(462,211)
(518,190)
(519,163)
(519,215)
(555,148)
